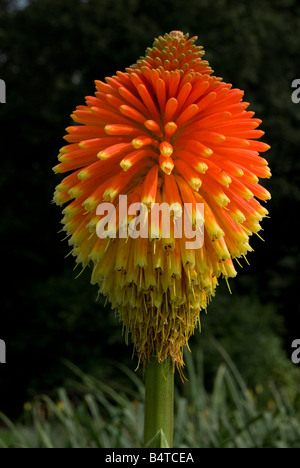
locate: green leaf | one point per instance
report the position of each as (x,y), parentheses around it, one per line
(158,441)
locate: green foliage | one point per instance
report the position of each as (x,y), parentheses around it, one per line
(251,333)
(92,414)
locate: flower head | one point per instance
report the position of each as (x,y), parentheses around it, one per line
(164,131)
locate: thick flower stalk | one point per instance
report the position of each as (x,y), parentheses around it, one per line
(164,131)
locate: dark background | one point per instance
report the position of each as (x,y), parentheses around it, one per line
(50,54)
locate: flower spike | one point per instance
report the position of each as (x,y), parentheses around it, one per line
(163,142)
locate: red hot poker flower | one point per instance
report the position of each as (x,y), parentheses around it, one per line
(166,130)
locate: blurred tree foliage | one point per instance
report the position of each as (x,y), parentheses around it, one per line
(51,51)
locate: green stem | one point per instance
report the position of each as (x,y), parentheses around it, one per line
(159,404)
